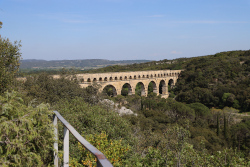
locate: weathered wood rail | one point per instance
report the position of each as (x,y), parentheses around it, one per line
(102,161)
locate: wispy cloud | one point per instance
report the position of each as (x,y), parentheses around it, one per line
(66,17)
(210,22)
(175,52)
(156,16)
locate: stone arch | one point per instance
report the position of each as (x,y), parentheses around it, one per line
(116,78)
(163,88)
(105,79)
(159,75)
(164,74)
(134,76)
(139,76)
(151,76)
(155,75)
(111,79)
(143,76)
(147,76)
(171,83)
(89,80)
(141,91)
(152,87)
(110,90)
(100,79)
(94,80)
(120,77)
(126,89)
(130,77)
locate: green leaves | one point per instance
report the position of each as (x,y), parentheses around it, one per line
(26,133)
(9,62)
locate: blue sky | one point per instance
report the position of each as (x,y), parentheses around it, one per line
(125,29)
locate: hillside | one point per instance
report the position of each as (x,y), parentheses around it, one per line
(216,80)
(80,64)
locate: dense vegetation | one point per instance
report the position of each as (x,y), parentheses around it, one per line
(198,126)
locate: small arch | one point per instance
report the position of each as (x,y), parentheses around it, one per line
(143,76)
(155,75)
(164,74)
(130,77)
(94,80)
(116,78)
(89,80)
(147,76)
(126,78)
(139,76)
(134,76)
(120,78)
(159,75)
(100,79)
(151,76)
(82,80)
(105,79)
(111,79)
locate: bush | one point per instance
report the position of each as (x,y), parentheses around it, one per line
(26,133)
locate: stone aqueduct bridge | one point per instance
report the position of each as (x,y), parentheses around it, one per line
(160,79)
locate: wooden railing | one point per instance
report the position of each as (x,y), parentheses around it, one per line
(102,161)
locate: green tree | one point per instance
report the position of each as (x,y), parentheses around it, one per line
(9,62)
(26,133)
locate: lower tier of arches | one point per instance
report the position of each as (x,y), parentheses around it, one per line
(141,87)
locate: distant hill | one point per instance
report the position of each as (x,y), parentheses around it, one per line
(82,64)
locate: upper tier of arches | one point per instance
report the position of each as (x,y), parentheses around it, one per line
(121,76)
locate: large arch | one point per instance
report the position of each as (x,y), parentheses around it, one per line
(152,87)
(110,90)
(163,88)
(126,89)
(140,89)
(171,83)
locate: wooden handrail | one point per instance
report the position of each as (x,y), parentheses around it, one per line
(102,161)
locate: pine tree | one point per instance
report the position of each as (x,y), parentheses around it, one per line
(218,125)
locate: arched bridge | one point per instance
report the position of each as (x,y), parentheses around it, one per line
(160,79)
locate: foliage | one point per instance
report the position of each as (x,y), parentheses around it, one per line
(26,133)
(91,120)
(114,150)
(9,62)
